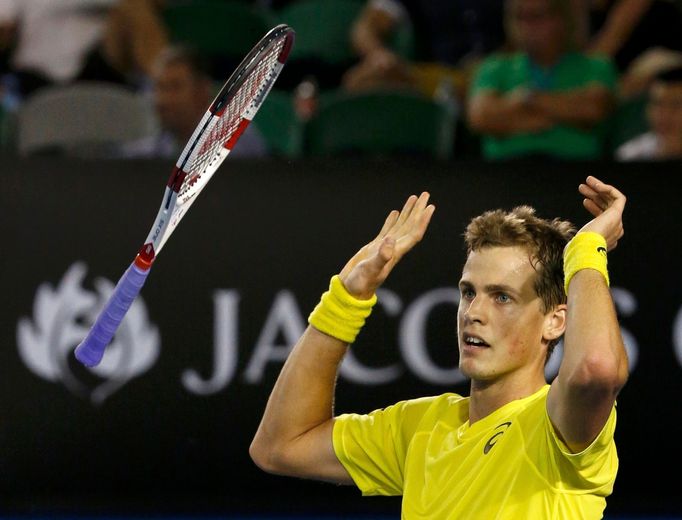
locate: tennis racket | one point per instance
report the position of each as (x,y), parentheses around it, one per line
(216,134)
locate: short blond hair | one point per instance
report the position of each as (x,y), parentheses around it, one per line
(543,239)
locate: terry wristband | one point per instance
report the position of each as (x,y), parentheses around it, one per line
(339,314)
(586,250)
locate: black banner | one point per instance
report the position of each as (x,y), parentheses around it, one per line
(164,423)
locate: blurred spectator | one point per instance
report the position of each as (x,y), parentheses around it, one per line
(639,35)
(183,90)
(664,115)
(644,69)
(48,40)
(624,29)
(546,98)
(132,39)
(450,36)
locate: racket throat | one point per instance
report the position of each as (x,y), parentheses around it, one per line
(145,256)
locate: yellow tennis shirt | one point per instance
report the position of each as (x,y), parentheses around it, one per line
(509,465)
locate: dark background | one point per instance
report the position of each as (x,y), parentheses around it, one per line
(260,228)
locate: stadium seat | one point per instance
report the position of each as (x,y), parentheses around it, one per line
(84,118)
(627,121)
(222,30)
(381,122)
(279,125)
(323,30)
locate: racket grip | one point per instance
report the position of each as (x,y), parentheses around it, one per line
(90,351)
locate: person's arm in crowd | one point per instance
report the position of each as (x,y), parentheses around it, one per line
(620,22)
(8,23)
(371,29)
(295,434)
(492,113)
(135,36)
(594,366)
(584,107)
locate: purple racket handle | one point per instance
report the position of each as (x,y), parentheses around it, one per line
(91,349)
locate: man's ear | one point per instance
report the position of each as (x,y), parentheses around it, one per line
(555,323)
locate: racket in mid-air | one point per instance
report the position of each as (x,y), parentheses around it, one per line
(216,134)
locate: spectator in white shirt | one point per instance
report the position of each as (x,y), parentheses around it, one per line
(664,114)
(50,39)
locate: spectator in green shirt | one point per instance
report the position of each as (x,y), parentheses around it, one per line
(546,97)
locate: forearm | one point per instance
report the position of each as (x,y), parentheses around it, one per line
(594,354)
(370,31)
(619,25)
(301,400)
(583,107)
(504,115)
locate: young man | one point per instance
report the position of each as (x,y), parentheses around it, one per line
(182,91)
(516,447)
(663,142)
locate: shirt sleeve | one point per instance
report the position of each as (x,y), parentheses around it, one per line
(373,447)
(595,467)
(603,72)
(487,77)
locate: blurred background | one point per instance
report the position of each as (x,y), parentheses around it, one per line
(484,103)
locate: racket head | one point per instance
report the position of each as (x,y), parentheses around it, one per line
(219,130)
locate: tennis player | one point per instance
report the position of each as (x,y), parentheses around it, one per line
(516,447)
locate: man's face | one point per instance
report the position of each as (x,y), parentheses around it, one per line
(535,24)
(664,110)
(180,97)
(500,321)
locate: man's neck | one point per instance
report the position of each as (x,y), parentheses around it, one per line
(486,397)
(546,57)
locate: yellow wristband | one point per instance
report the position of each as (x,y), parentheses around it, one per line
(587,250)
(339,314)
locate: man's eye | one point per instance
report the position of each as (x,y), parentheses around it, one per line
(503,298)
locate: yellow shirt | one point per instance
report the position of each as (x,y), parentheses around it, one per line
(509,465)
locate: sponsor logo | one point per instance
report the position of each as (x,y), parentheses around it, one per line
(62,317)
(499,430)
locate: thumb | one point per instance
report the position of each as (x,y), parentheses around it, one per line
(374,266)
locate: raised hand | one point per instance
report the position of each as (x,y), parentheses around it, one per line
(370,266)
(606,204)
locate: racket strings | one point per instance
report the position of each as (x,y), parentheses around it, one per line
(211,145)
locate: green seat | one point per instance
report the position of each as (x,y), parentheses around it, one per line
(380,123)
(228,28)
(627,121)
(279,125)
(322,28)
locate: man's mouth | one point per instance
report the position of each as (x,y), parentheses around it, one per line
(474,341)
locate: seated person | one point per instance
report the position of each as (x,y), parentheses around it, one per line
(545,98)
(664,114)
(182,91)
(448,37)
(47,43)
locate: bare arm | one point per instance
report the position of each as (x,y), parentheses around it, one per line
(582,107)
(594,367)
(295,434)
(619,25)
(505,114)
(371,29)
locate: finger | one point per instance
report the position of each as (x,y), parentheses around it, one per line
(592,207)
(415,214)
(389,223)
(594,196)
(372,268)
(407,241)
(606,191)
(405,212)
